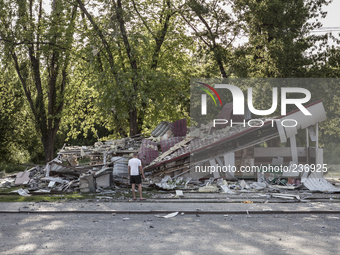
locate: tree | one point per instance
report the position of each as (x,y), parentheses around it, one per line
(39,45)
(282,45)
(15,131)
(280,42)
(216,30)
(135,58)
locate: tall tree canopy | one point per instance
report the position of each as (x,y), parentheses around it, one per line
(280,43)
(138,51)
(120,67)
(39,45)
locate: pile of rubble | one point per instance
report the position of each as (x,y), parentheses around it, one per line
(80,168)
(169,157)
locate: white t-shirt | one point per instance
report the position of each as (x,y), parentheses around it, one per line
(134,164)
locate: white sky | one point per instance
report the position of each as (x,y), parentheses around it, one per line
(332,19)
(330,24)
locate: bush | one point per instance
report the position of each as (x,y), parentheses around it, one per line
(11,168)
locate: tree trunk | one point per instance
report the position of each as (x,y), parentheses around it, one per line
(43,88)
(48,143)
(133,121)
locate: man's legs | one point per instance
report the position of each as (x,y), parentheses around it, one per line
(140,191)
(133,191)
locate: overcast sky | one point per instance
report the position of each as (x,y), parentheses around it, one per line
(330,24)
(332,19)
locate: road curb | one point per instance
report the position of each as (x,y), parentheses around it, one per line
(268,212)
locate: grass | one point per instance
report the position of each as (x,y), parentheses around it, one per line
(9,189)
(47,198)
(65,196)
(11,168)
(43,197)
(83,161)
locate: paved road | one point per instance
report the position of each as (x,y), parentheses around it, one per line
(71,233)
(148,206)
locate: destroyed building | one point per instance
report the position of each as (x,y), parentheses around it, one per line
(176,155)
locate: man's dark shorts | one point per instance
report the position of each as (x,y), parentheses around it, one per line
(135,179)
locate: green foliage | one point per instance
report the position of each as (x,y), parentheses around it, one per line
(11,168)
(114,68)
(38,45)
(216,30)
(44,198)
(331,153)
(18,138)
(83,117)
(280,40)
(141,68)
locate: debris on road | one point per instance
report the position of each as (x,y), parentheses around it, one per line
(171,215)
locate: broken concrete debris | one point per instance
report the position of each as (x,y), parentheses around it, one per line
(179,193)
(208,188)
(81,168)
(23,192)
(87,183)
(22,178)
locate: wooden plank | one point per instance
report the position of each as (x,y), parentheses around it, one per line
(168,152)
(173,170)
(126,151)
(70,167)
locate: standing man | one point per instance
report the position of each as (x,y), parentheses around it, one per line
(135,172)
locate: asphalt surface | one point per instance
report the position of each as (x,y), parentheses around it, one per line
(205,228)
(150,207)
(73,233)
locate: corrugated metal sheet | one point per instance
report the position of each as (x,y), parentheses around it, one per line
(120,169)
(161,129)
(167,144)
(179,127)
(316,182)
(148,151)
(103,171)
(120,166)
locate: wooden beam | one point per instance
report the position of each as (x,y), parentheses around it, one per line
(172,170)
(70,167)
